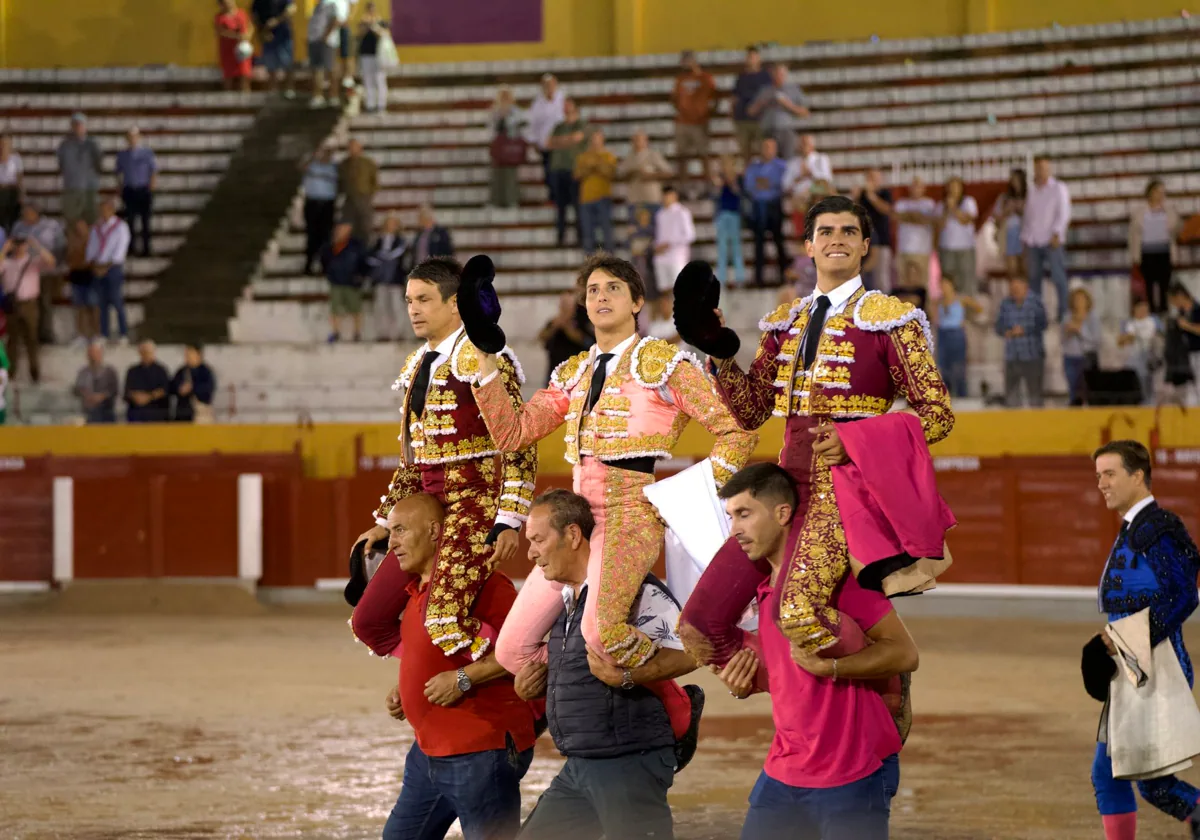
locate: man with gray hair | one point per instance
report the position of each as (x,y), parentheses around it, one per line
(96,386)
(80,162)
(777,107)
(431,239)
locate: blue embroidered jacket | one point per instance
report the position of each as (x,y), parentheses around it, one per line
(1154,564)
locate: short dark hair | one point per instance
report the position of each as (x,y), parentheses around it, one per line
(753,48)
(836,204)
(566,509)
(1177,288)
(1134,456)
(621,269)
(194,345)
(443,272)
(769,482)
(1154,182)
(1042,156)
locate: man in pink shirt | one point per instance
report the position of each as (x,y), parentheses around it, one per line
(23,261)
(833,765)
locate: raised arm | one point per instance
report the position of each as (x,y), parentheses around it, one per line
(513,424)
(694,395)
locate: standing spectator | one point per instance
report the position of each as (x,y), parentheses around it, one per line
(809,175)
(917,215)
(97,386)
(595,169)
(952,336)
(137,175)
(320,187)
(727,216)
(12,182)
(1021,323)
(234,29)
(1142,338)
(345,48)
(645,169)
(4,364)
(764,185)
(1008,214)
(1187,324)
(1080,344)
(147,387)
(1044,231)
(385,261)
(431,239)
(344,260)
(24,260)
(49,232)
(956,240)
(85,294)
(358,181)
(545,112)
(273,21)
(506,122)
(324,24)
(777,108)
(193,387)
(641,246)
(568,139)
(567,333)
(108,246)
(693,97)
(750,83)
(1153,228)
(674,233)
(374,74)
(80,162)
(877,199)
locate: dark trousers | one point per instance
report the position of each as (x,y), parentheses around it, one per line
(23,332)
(10,206)
(623,797)
(1156,271)
(768,219)
(139,205)
(318,228)
(481,790)
(546,173)
(565,190)
(952,359)
(111,295)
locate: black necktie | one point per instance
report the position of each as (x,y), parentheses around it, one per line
(599,374)
(812,338)
(1124,529)
(420,386)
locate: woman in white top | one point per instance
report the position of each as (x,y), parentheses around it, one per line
(1152,231)
(12,186)
(1007,213)
(956,241)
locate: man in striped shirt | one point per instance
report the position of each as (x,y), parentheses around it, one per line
(108,245)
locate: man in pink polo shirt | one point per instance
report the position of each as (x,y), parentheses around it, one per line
(833,765)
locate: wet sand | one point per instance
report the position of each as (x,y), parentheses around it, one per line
(273,726)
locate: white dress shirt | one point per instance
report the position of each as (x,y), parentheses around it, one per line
(443,351)
(797,182)
(673,227)
(543,115)
(108,243)
(1137,508)
(838,298)
(1047,213)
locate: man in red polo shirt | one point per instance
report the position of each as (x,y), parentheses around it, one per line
(474,736)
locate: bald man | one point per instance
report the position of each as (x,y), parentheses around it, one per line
(473,735)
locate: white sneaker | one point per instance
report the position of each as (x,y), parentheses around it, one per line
(317,102)
(289,94)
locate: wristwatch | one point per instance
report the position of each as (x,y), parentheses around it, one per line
(464,682)
(627,679)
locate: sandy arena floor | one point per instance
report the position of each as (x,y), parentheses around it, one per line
(272,725)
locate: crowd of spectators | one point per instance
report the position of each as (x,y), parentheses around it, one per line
(150,394)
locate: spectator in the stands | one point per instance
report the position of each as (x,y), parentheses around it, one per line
(1080,343)
(1044,231)
(137,176)
(234,30)
(507,124)
(85,292)
(344,260)
(108,246)
(877,199)
(12,182)
(674,233)
(1142,339)
(917,217)
(764,185)
(79,161)
(694,97)
(545,112)
(1008,213)
(778,108)
(1186,324)
(809,177)
(374,75)
(273,20)
(345,47)
(147,387)
(49,232)
(24,260)
(324,24)
(386,261)
(727,219)
(1021,322)
(567,333)
(193,387)
(641,246)
(595,168)
(4,365)
(644,169)
(320,187)
(358,181)
(1153,228)
(97,386)
(749,84)
(431,239)
(952,335)
(956,238)
(567,140)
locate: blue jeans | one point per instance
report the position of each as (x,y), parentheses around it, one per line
(729,244)
(1037,261)
(593,215)
(952,359)
(1073,367)
(110,292)
(482,790)
(857,811)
